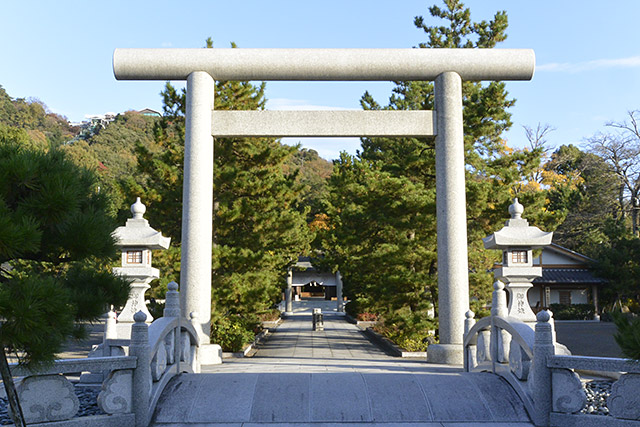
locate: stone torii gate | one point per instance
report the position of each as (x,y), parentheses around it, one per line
(447,67)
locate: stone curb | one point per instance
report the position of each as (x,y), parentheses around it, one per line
(362,324)
(390,347)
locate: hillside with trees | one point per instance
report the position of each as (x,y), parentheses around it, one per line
(43,127)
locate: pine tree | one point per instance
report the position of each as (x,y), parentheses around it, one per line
(55,248)
(495,173)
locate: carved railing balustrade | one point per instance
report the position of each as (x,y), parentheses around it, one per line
(552,391)
(130,392)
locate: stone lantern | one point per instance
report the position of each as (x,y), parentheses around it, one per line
(517,239)
(136,240)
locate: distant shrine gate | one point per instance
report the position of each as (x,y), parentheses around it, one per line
(447,67)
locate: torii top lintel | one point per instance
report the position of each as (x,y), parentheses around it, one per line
(324,64)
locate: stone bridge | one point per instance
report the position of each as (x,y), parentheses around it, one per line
(336,376)
(512,375)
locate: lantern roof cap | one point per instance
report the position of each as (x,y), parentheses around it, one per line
(137,232)
(517,232)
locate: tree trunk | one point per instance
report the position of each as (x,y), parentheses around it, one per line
(12,394)
(621,201)
(634,215)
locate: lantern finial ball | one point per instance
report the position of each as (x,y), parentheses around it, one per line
(138,209)
(516,209)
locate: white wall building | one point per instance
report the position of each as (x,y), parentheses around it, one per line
(566,279)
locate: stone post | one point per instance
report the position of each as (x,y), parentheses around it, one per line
(453,271)
(197,202)
(542,348)
(500,340)
(469,353)
(110,331)
(194,319)
(142,373)
(172,309)
(339,296)
(172,301)
(594,294)
(288,293)
(498,300)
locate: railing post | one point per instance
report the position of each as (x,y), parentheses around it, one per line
(469,352)
(172,309)
(500,340)
(339,290)
(172,301)
(194,319)
(498,300)
(288,304)
(142,373)
(110,329)
(542,349)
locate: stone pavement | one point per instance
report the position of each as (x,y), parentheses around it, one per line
(301,377)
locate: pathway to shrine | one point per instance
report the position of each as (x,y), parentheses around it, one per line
(301,377)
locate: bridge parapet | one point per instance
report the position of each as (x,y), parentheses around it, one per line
(547,383)
(130,392)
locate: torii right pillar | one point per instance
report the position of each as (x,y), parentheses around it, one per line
(453,270)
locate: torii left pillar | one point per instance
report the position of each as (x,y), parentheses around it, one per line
(197,211)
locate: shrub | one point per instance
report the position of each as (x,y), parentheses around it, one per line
(628,335)
(409,330)
(572,311)
(232,333)
(479,309)
(367,317)
(269,315)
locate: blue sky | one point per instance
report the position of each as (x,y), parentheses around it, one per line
(587,53)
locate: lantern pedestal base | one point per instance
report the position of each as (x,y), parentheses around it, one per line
(134,304)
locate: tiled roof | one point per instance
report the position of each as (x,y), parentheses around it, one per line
(568,275)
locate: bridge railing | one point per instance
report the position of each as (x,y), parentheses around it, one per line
(561,398)
(551,390)
(173,345)
(129,394)
(503,346)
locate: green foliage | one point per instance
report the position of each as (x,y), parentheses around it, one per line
(112,154)
(43,127)
(618,262)
(55,244)
(38,316)
(382,236)
(628,334)
(479,309)
(232,333)
(572,311)
(407,329)
(312,173)
(584,186)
